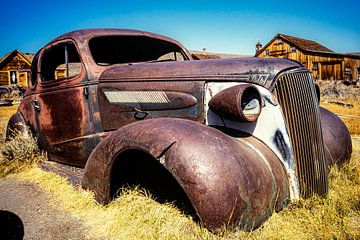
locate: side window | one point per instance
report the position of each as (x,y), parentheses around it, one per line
(60,62)
(172,56)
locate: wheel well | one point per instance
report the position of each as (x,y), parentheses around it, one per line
(137,168)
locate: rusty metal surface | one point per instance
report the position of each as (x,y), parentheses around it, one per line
(47,104)
(230,179)
(228,182)
(337,140)
(253,70)
(62,123)
(186,102)
(270,128)
(16,124)
(85,35)
(227,103)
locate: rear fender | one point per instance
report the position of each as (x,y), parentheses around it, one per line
(228,182)
(16,125)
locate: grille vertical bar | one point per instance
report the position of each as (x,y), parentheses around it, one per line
(297,97)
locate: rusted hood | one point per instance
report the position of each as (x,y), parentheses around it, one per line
(257,70)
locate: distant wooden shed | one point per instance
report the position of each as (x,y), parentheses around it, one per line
(320,60)
(15,68)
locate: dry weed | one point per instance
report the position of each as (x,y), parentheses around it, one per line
(5,113)
(18,153)
(353,123)
(336,90)
(136,215)
(332,91)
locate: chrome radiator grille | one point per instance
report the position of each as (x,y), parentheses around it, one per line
(297,97)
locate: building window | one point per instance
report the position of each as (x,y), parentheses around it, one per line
(279,41)
(13,77)
(267,53)
(293,49)
(315,66)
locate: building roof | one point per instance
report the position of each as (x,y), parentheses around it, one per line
(305,44)
(301,43)
(27,57)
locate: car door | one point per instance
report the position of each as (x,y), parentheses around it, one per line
(61,104)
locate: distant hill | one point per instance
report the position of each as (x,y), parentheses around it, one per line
(355,53)
(209,55)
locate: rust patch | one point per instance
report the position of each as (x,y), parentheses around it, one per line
(212,168)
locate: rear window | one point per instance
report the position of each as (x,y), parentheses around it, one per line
(110,50)
(60,62)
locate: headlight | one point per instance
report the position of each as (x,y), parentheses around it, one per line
(237,103)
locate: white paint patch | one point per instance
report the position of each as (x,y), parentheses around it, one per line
(270,121)
(136,96)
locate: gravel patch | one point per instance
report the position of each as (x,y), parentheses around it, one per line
(40,220)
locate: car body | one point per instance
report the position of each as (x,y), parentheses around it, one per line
(5,93)
(11,94)
(234,138)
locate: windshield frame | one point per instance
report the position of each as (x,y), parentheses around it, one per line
(172,48)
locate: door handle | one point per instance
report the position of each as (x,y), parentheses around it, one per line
(35,103)
(140,115)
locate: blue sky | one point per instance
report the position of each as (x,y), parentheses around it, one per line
(219,26)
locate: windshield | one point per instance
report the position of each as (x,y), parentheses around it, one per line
(108,50)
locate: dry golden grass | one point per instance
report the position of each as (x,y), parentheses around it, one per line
(353,124)
(136,215)
(19,153)
(5,113)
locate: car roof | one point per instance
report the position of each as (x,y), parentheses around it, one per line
(98,32)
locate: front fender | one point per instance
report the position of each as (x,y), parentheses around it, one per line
(229,182)
(337,140)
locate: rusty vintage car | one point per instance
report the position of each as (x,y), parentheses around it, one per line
(234,139)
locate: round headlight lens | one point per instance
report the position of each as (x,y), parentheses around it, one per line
(251,108)
(250,104)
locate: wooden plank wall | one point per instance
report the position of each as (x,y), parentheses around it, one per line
(15,64)
(328,67)
(354,65)
(4,78)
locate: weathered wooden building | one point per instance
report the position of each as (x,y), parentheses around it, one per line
(15,68)
(320,60)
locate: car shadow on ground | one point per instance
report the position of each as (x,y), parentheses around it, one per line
(11,226)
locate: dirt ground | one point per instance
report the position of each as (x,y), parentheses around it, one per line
(39,219)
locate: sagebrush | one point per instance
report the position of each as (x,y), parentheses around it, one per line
(18,153)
